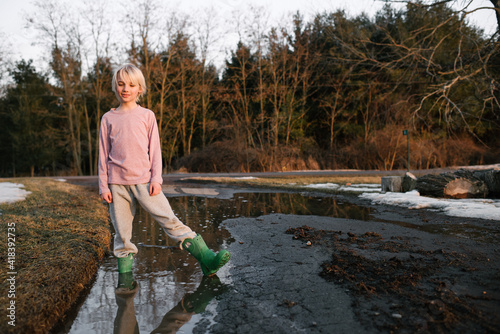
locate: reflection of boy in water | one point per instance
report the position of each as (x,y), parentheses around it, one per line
(192,303)
(125,320)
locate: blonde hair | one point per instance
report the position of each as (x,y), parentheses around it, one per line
(130,73)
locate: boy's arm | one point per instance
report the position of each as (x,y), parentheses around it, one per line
(104,148)
(155,152)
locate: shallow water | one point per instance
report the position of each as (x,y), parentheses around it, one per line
(171,293)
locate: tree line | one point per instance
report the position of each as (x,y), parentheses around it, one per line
(331,91)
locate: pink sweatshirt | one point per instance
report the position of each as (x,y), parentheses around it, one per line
(129,148)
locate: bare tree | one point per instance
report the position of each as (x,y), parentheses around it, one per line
(65,41)
(163,81)
(47,20)
(258,27)
(420,52)
(5,61)
(301,86)
(277,59)
(496,6)
(461,5)
(142,21)
(97,18)
(207,35)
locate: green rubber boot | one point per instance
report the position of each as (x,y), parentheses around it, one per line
(209,261)
(126,281)
(125,263)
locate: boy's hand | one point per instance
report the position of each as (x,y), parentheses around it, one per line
(107,197)
(154,188)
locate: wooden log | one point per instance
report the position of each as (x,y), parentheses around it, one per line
(461,184)
(491,177)
(409,182)
(465,188)
(391,183)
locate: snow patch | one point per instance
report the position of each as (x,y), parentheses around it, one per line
(352,188)
(470,208)
(12,192)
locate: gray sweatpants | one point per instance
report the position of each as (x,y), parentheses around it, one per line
(122,211)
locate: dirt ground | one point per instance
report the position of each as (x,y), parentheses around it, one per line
(404,271)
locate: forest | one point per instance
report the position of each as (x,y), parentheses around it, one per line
(331,91)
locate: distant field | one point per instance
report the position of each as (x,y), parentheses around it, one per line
(290,182)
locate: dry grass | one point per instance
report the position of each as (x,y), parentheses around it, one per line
(61,235)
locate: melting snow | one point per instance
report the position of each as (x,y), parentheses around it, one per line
(12,192)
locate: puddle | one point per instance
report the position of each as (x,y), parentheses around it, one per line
(170,280)
(171,294)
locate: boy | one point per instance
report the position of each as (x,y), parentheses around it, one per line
(130,167)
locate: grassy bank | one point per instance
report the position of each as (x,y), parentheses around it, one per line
(61,234)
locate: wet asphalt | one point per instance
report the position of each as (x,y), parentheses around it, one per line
(275,283)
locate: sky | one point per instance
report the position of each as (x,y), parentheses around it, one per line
(20,42)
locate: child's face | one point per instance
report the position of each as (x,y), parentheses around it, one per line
(127,91)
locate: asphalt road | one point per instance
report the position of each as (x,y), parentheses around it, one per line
(172,177)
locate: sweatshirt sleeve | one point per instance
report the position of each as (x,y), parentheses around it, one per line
(155,151)
(104,147)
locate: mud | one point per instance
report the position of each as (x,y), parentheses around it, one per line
(403,272)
